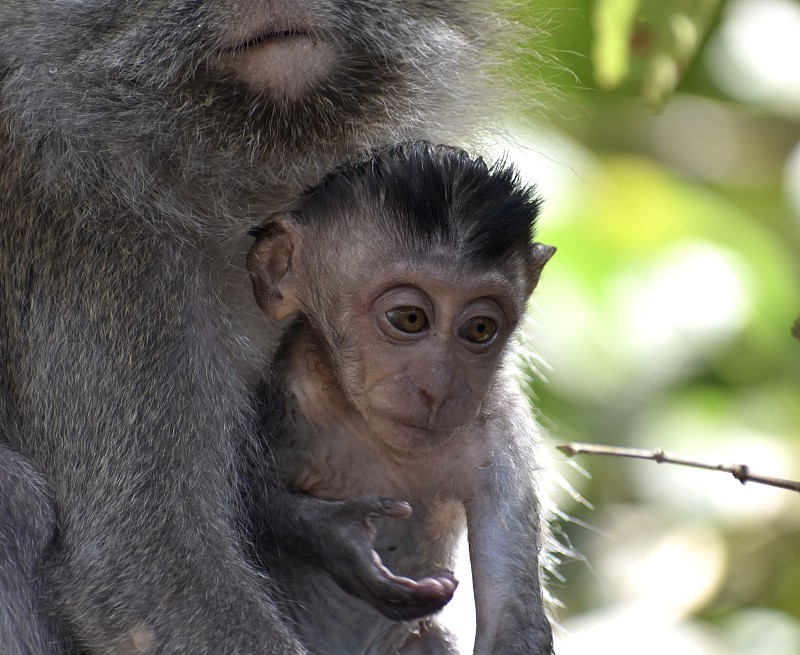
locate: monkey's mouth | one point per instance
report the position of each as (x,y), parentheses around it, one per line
(286,63)
(410,440)
(267,37)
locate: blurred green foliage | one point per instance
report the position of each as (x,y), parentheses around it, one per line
(665,317)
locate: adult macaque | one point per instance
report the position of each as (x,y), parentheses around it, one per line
(391,384)
(27,526)
(138,143)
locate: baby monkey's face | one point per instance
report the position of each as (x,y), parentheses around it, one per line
(427,341)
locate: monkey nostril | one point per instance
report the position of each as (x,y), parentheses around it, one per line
(427,398)
(431,403)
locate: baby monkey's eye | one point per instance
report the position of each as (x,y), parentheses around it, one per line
(408,319)
(478,329)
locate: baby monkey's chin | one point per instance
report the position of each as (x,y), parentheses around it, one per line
(286,65)
(408,443)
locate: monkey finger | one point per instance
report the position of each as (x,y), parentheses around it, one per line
(401,598)
(370,508)
(437,584)
(390,508)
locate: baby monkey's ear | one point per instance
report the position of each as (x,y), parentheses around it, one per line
(541,255)
(270,265)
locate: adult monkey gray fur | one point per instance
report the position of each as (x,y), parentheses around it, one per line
(391,385)
(136,141)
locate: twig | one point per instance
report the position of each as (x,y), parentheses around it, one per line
(739,471)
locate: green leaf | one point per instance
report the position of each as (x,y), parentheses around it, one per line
(613,22)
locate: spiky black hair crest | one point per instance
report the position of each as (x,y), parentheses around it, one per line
(430,195)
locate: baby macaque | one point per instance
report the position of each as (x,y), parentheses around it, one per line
(407,274)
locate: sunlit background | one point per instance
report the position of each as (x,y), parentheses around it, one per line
(667,148)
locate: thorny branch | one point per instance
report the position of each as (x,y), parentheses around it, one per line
(739,471)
